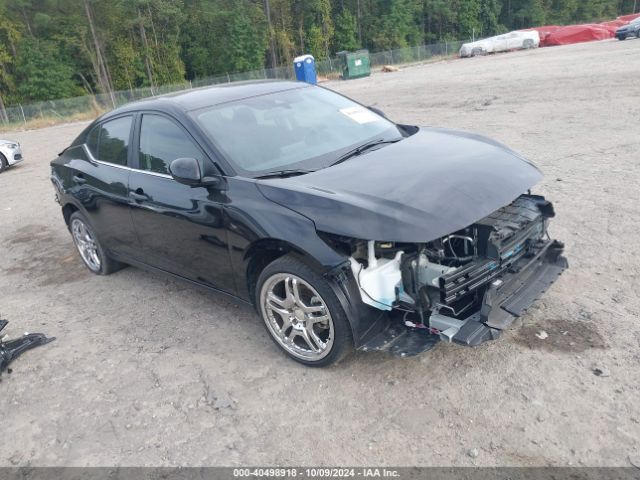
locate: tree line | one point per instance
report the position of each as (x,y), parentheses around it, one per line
(63,48)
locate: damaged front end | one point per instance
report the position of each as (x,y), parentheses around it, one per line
(465,287)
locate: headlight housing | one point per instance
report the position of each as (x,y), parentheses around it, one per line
(13,146)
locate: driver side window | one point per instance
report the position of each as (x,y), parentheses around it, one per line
(161,142)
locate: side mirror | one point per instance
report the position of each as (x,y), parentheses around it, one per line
(186,170)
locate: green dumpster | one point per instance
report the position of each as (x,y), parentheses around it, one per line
(355,64)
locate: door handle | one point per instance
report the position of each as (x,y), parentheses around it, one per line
(79,179)
(138,195)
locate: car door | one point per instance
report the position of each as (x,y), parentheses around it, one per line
(181,228)
(514,41)
(499,43)
(100,177)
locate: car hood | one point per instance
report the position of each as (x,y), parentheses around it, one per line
(419,189)
(6,142)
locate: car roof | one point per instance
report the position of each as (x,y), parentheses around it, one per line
(204,97)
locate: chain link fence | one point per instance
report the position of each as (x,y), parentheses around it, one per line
(90,106)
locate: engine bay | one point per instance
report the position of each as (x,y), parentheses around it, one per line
(439,283)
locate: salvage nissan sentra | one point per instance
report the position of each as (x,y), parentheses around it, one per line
(342,228)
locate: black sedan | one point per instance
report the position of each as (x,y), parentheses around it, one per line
(342,228)
(631,29)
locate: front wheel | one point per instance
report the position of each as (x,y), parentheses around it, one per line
(302,313)
(89,247)
(3,163)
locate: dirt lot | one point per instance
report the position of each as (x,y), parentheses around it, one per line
(150,371)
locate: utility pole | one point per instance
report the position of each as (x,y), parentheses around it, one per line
(272,43)
(101,67)
(359,16)
(3,112)
(145,44)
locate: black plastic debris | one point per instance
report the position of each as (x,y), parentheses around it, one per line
(11,349)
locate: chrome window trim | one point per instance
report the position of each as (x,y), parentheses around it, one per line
(95,160)
(155,174)
(123,167)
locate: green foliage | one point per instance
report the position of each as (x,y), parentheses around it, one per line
(346,32)
(315,20)
(41,74)
(61,48)
(246,39)
(469,22)
(489,17)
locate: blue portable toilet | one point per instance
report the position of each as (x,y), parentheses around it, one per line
(305,67)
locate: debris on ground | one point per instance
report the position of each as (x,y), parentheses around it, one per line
(600,371)
(542,335)
(390,68)
(11,349)
(473,453)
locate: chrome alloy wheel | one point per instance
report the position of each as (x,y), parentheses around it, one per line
(86,244)
(296,316)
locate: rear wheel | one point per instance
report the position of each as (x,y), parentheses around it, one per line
(302,314)
(89,247)
(3,163)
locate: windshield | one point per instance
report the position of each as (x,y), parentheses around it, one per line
(305,128)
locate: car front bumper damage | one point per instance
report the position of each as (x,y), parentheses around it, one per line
(507,297)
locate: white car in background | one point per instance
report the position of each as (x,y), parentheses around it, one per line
(10,154)
(501,43)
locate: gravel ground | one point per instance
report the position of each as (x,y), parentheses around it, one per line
(150,371)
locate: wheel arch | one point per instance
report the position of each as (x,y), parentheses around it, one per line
(67,210)
(266,250)
(364,320)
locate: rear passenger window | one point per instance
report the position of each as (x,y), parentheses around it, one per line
(161,142)
(108,142)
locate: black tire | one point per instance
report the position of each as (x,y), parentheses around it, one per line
(624,37)
(527,44)
(3,163)
(342,336)
(106,265)
(638,34)
(477,51)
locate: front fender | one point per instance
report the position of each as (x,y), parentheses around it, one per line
(365,320)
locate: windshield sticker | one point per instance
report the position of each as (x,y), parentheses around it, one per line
(360,114)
